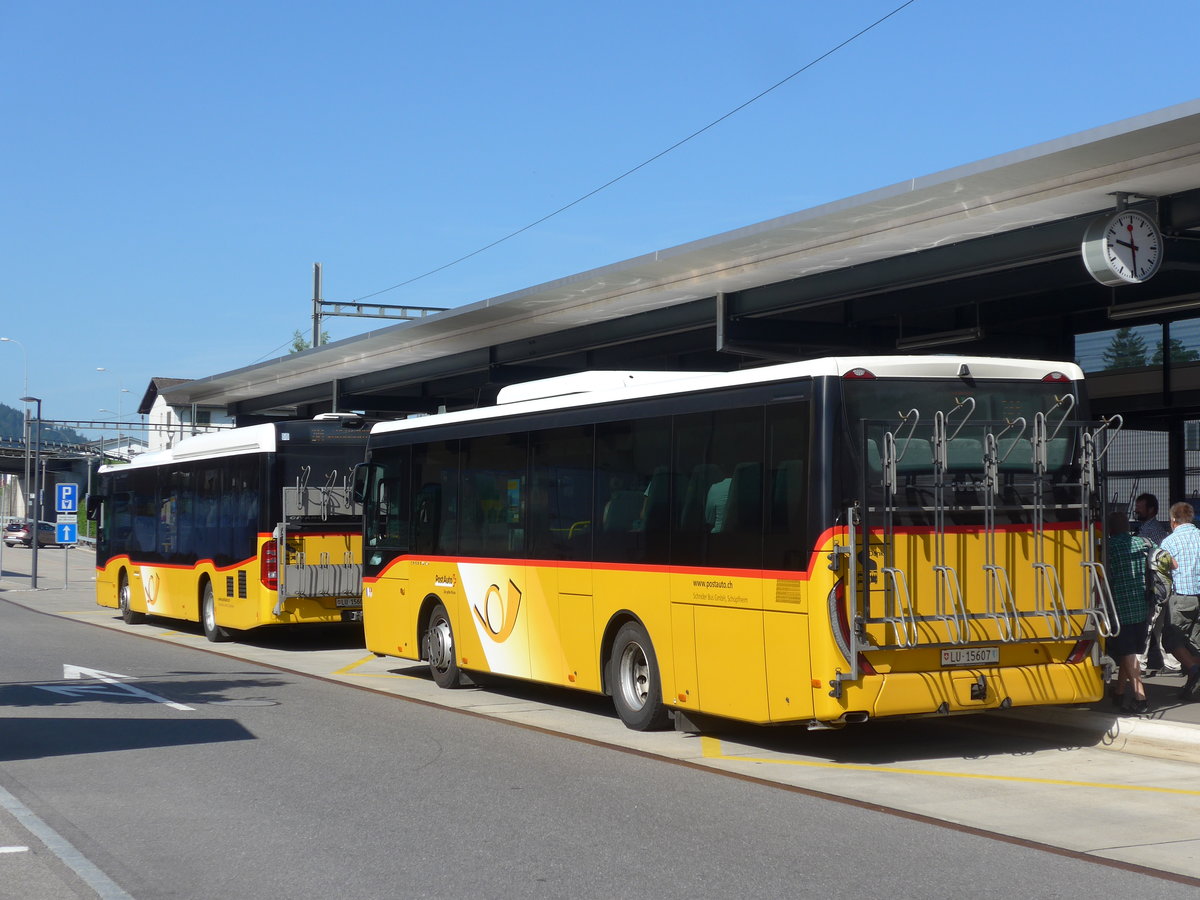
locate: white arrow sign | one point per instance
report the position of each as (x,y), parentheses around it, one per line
(110,685)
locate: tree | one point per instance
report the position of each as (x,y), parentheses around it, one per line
(12,426)
(1126,350)
(300,342)
(1179,353)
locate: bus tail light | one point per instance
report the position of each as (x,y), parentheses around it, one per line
(842,618)
(268,572)
(1079,652)
(859,372)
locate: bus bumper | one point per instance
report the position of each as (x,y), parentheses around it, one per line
(964,691)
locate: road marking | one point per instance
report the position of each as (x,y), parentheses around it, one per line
(14,849)
(60,847)
(712,749)
(349,670)
(111,686)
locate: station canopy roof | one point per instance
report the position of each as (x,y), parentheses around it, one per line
(993,246)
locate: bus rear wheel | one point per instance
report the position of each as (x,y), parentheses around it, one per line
(208,617)
(128,616)
(634,679)
(439,648)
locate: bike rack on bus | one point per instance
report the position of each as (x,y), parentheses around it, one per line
(948,591)
(1000,441)
(1001,604)
(1049,602)
(324,578)
(1096,581)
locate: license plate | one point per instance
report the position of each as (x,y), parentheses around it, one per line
(971,656)
(352,602)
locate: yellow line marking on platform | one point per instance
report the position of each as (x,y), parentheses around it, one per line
(349,670)
(713,750)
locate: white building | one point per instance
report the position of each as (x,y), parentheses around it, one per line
(167,424)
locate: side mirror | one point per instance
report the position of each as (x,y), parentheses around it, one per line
(362,482)
(94,503)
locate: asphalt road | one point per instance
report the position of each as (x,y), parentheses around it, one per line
(273,784)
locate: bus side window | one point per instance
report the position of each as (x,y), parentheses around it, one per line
(721,515)
(119,523)
(786,534)
(560,504)
(427,518)
(492,505)
(434,479)
(627,456)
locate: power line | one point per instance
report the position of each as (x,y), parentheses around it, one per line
(628,172)
(647,162)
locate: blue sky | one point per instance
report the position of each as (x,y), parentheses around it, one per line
(173,170)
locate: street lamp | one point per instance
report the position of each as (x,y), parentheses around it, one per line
(35,529)
(24,353)
(120,405)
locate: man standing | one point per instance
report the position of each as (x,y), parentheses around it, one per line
(1181,634)
(1126,566)
(1145,507)
(1152,658)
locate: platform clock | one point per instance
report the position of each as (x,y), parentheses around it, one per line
(1123,248)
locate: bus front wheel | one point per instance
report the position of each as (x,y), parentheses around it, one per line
(633,676)
(128,616)
(439,648)
(208,616)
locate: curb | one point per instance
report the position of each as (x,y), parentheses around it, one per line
(1140,735)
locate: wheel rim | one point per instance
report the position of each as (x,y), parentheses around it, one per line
(441,645)
(123,596)
(633,676)
(210,618)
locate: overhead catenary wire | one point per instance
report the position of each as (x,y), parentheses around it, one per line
(628,172)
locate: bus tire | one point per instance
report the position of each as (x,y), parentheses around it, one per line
(128,616)
(634,680)
(439,649)
(208,616)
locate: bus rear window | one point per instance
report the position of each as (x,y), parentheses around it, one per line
(908,408)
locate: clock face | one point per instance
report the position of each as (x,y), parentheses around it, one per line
(1124,249)
(1132,246)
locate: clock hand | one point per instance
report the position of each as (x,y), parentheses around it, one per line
(1132,246)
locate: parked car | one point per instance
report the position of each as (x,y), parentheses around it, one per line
(17,533)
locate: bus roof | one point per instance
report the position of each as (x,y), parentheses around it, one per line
(595,388)
(230,442)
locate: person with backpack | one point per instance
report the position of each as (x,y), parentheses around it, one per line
(1153,659)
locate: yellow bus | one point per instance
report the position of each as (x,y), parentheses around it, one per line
(235,529)
(817,542)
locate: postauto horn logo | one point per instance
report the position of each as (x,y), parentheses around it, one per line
(498,614)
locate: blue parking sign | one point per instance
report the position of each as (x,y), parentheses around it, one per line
(66,498)
(66,533)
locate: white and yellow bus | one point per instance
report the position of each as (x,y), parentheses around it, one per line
(235,529)
(818,542)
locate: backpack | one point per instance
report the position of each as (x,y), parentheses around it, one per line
(1159,583)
